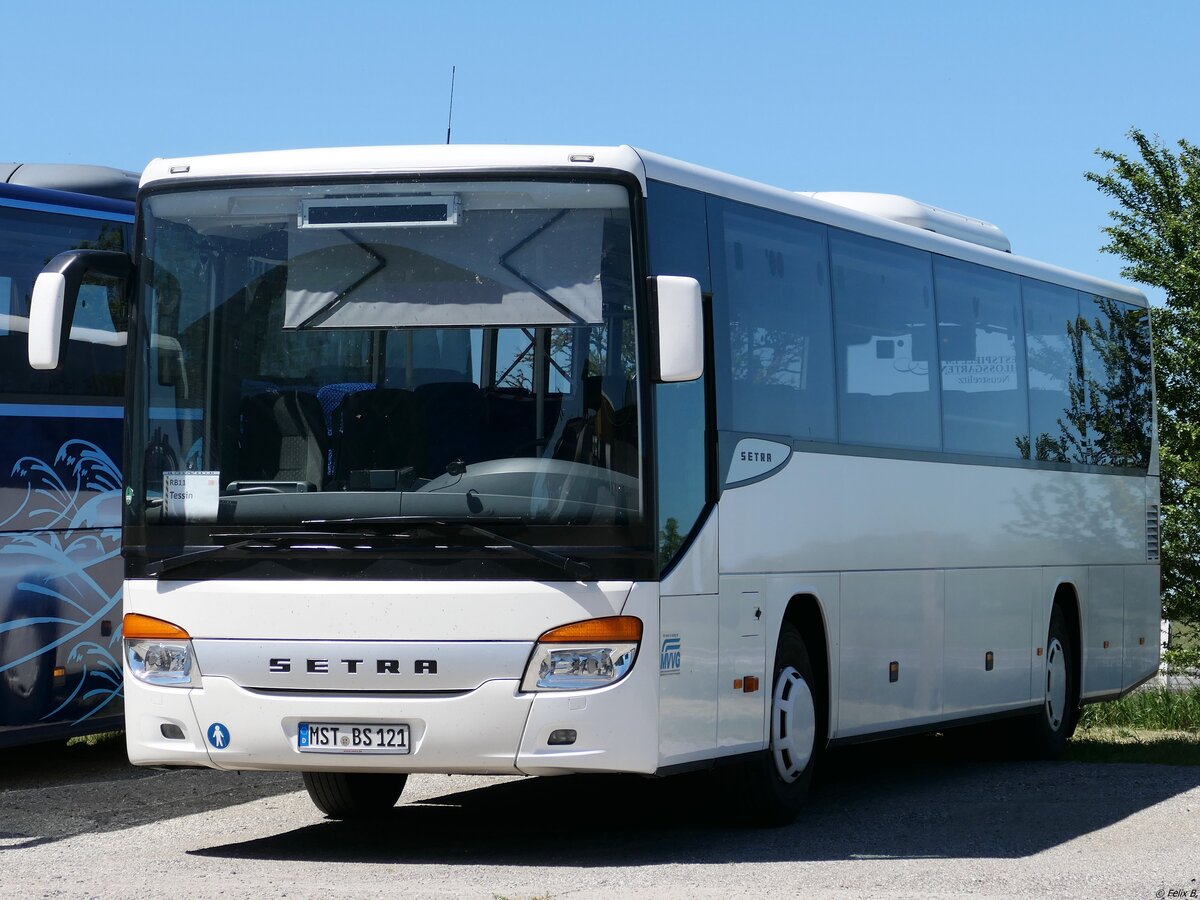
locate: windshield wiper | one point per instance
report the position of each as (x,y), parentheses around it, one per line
(265,540)
(275,540)
(573,567)
(168,563)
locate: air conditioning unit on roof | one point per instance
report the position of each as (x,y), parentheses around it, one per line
(918,215)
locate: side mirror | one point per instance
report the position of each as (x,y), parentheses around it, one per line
(680,321)
(45,320)
(55,293)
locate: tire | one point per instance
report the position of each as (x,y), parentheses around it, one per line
(1048,731)
(770,790)
(25,689)
(354,795)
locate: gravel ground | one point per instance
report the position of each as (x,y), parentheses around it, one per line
(888,820)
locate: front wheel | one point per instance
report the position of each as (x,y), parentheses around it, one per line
(354,795)
(771,789)
(25,679)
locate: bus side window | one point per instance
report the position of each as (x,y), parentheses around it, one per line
(981,339)
(1116,354)
(95,363)
(885,325)
(679,245)
(6,302)
(678,233)
(774,328)
(1051,312)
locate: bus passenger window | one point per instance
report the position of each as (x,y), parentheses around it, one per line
(774,331)
(1116,353)
(883,308)
(982,352)
(1051,325)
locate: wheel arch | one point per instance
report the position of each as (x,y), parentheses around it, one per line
(805,613)
(1066,601)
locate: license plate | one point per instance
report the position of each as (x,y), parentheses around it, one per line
(342,737)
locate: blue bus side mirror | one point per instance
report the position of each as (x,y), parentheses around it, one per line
(55,293)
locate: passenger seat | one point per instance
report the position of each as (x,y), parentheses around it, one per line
(381,430)
(284,438)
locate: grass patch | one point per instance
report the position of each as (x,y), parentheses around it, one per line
(95,740)
(1152,708)
(1152,725)
(1135,745)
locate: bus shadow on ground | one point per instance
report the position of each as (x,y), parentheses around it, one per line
(54,791)
(906,799)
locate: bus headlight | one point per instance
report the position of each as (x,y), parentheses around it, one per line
(584,655)
(160,653)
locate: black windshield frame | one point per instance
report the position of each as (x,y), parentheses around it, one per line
(625,552)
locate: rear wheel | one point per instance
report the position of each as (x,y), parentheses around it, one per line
(354,795)
(1048,731)
(771,789)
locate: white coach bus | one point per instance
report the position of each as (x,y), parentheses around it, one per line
(548,460)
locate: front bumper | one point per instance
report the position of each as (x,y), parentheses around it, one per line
(494,729)
(471,718)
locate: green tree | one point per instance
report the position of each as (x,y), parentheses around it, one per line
(669,540)
(1156,231)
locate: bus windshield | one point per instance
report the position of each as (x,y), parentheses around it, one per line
(343,353)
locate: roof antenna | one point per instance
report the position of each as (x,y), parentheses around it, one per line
(450,118)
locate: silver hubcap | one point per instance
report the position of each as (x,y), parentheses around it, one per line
(1056,684)
(793,725)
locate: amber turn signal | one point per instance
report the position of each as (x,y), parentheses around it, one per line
(596,631)
(146,628)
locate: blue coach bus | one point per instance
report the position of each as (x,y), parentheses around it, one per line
(60,452)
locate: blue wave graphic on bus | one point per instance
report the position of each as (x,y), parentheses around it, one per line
(60,577)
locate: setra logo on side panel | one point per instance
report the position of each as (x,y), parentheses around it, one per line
(671,656)
(753,458)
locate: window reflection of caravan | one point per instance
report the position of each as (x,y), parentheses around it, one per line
(60,566)
(546,460)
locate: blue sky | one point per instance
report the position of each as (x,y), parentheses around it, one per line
(990,109)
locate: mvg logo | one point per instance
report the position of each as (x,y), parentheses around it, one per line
(671,657)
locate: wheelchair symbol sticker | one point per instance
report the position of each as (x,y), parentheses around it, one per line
(218,735)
